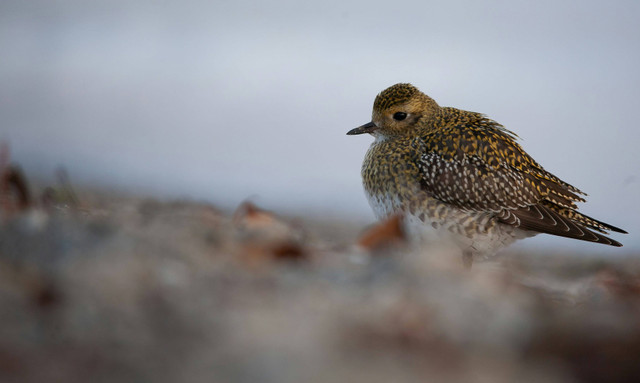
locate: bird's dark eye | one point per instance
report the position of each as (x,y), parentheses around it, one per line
(399,116)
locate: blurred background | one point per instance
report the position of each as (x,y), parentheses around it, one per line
(228,100)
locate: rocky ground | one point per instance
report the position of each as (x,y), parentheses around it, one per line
(111,288)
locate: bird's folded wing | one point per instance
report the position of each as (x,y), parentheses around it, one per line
(476,165)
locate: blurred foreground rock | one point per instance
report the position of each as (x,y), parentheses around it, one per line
(137,290)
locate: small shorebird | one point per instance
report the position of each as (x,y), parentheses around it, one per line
(459,176)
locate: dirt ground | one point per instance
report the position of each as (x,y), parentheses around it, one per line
(102,287)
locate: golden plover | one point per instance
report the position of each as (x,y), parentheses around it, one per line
(460,176)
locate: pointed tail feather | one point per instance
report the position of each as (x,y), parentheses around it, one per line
(542,219)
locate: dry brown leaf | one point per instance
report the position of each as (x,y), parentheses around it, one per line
(389,232)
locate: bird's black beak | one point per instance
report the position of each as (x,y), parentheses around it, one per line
(369,127)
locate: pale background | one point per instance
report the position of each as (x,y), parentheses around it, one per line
(229,100)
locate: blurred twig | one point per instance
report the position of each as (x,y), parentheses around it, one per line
(14,190)
(65,184)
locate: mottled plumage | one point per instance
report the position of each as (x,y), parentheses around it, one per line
(465,176)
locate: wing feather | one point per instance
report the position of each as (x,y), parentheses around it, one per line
(474,163)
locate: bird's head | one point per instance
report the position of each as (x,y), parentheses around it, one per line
(398,110)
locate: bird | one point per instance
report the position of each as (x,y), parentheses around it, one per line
(461,177)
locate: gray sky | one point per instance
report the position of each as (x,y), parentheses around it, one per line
(228,100)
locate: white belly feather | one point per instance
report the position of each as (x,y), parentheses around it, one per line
(448,232)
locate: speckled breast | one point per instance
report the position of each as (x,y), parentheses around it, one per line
(391,177)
